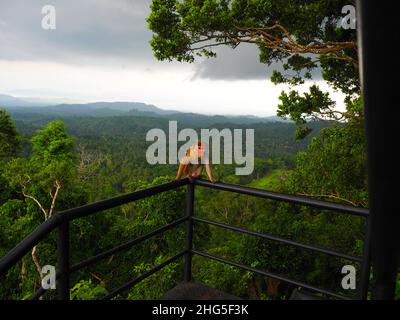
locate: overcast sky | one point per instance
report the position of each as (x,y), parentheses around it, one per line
(100,52)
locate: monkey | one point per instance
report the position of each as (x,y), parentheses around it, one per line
(192,164)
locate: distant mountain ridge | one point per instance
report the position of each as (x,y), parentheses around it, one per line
(116,106)
(18,106)
(10,101)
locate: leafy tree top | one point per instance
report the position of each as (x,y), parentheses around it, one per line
(10,141)
(301,34)
(53,144)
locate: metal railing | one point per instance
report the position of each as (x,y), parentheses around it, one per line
(61,222)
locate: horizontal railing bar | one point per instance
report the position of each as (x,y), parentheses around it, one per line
(38,293)
(268,274)
(353,210)
(131,283)
(125,246)
(48,226)
(282,240)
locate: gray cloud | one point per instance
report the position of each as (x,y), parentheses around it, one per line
(242,63)
(106,32)
(230,64)
(114,29)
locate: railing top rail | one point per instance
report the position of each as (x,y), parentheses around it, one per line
(302,200)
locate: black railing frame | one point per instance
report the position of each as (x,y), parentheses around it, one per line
(61,222)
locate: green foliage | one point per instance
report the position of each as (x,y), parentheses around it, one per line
(53,160)
(334,165)
(10,141)
(273,181)
(221,276)
(172,19)
(155,286)
(30,197)
(302,67)
(302,108)
(53,144)
(86,290)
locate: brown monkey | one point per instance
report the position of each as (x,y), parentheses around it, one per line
(194,161)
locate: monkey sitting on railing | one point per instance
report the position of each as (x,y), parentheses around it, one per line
(193,163)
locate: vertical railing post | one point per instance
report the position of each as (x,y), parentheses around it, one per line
(63,261)
(189,231)
(379,90)
(366,263)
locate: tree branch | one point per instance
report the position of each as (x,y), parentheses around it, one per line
(47,215)
(277,37)
(36,261)
(284,41)
(38,203)
(54,198)
(334,196)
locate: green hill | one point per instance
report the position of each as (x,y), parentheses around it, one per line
(272,181)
